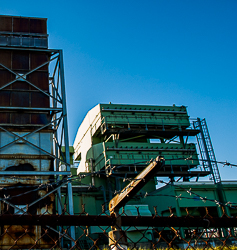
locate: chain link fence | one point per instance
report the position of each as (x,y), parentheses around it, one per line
(116,231)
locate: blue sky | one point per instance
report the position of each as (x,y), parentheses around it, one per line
(161,52)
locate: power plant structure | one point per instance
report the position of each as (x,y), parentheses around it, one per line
(116,142)
(40,174)
(33,127)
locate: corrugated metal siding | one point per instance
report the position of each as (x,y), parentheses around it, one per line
(23,24)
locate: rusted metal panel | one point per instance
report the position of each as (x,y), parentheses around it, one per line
(21,195)
(19,118)
(25,99)
(39,99)
(5,58)
(31,180)
(23,156)
(37,59)
(4,117)
(26,240)
(36,154)
(20,99)
(40,119)
(26,164)
(38,26)
(21,24)
(16,231)
(20,60)
(20,85)
(5,98)
(27,237)
(6,77)
(6,23)
(40,80)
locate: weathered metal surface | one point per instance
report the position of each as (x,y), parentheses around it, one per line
(20,60)
(23,24)
(28,234)
(5,77)
(134,186)
(20,99)
(18,205)
(19,165)
(39,79)
(41,140)
(21,161)
(38,26)
(37,59)
(27,106)
(18,31)
(35,173)
(4,118)
(6,23)
(4,98)
(15,62)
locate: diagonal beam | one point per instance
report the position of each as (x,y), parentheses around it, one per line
(21,77)
(134,186)
(30,133)
(23,139)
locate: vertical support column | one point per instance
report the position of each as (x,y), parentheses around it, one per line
(59,203)
(66,139)
(179,214)
(117,237)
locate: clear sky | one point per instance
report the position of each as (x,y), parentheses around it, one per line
(159,52)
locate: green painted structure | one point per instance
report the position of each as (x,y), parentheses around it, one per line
(116,142)
(122,139)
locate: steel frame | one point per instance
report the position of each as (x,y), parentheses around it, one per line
(58,111)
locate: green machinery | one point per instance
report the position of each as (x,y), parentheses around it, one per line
(121,139)
(118,135)
(114,143)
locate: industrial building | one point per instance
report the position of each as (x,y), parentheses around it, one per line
(33,128)
(120,140)
(114,143)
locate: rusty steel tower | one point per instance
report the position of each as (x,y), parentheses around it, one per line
(34,144)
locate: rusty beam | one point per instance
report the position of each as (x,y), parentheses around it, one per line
(134,186)
(178,221)
(56,220)
(94,220)
(38,173)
